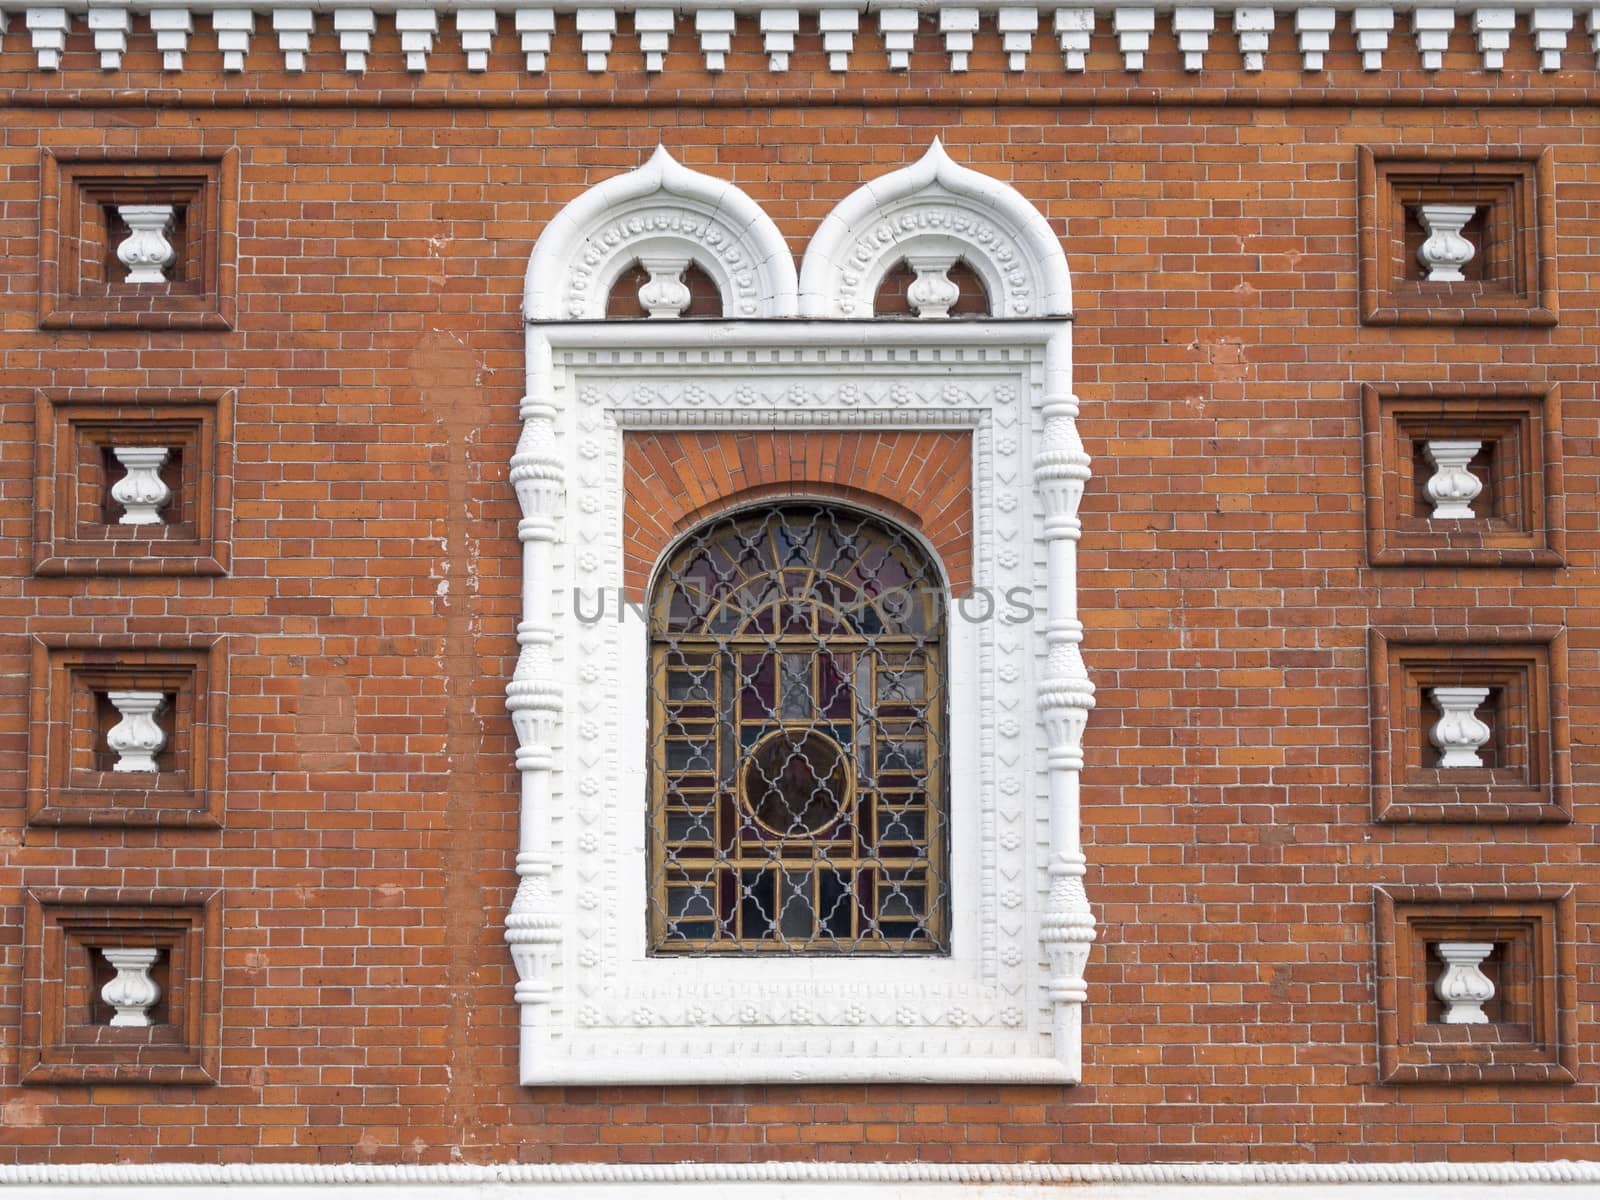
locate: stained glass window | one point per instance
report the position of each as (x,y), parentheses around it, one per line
(798,786)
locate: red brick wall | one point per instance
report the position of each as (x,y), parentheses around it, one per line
(371,804)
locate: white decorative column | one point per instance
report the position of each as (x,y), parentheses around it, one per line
(145,251)
(535,699)
(931,294)
(1066,694)
(1463,986)
(137,738)
(664,294)
(141,491)
(131,991)
(1458,733)
(1446,251)
(1452,487)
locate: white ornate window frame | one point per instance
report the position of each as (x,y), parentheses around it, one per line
(1004,1005)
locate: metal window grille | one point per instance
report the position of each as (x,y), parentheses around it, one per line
(798,787)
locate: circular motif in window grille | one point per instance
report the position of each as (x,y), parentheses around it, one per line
(798,789)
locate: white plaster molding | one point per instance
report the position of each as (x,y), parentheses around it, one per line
(1075,32)
(1458,733)
(1462,985)
(111,27)
(1561,1180)
(1254,26)
(1005,1004)
(477,28)
(172,27)
(1452,488)
(596,1007)
(1446,251)
(131,991)
(477,24)
(1493,28)
(1550,29)
(141,491)
(932,293)
(294,27)
(355,27)
(899,29)
(137,738)
(1193,27)
(48,29)
(1133,27)
(663,209)
(778,27)
(145,251)
(1432,26)
(1372,28)
(935,206)
(664,294)
(233,27)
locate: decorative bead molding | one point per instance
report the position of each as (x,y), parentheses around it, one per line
(141,491)
(1452,487)
(145,251)
(1384,1181)
(1462,986)
(131,991)
(137,738)
(1006,1005)
(1446,251)
(479,28)
(1458,732)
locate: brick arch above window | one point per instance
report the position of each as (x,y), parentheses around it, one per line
(674,479)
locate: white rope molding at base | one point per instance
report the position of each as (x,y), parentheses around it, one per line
(1431,25)
(1577,1174)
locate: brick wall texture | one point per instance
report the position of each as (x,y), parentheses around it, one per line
(371,802)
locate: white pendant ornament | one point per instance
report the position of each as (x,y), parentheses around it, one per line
(932,294)
(131,991)
(1463,986)
(664,294)
(1458,733)
(137,738)
(141,491)
(145,251)
(1452,488)
(1446,251)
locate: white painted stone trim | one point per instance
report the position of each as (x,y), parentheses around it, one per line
(661,210)
(1495,27)
(1005,1004)
(935,206)
(823,1181)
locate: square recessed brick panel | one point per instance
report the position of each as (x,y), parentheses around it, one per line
(1520,516)
(70,775)
(77,529)
(1526,772)
(81,283)
(1512,278)
(1531,1034)
(66,1035)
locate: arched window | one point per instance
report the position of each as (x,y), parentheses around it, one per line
(798,792)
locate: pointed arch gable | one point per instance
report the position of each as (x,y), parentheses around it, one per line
(935,205)
(662,208)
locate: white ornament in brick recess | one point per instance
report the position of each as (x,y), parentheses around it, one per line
(1446,251)
(137,738)
(131,991)
(141,491)
(1452,488)
(1458,733)
(664,294)
(145,251)
(1462,985)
